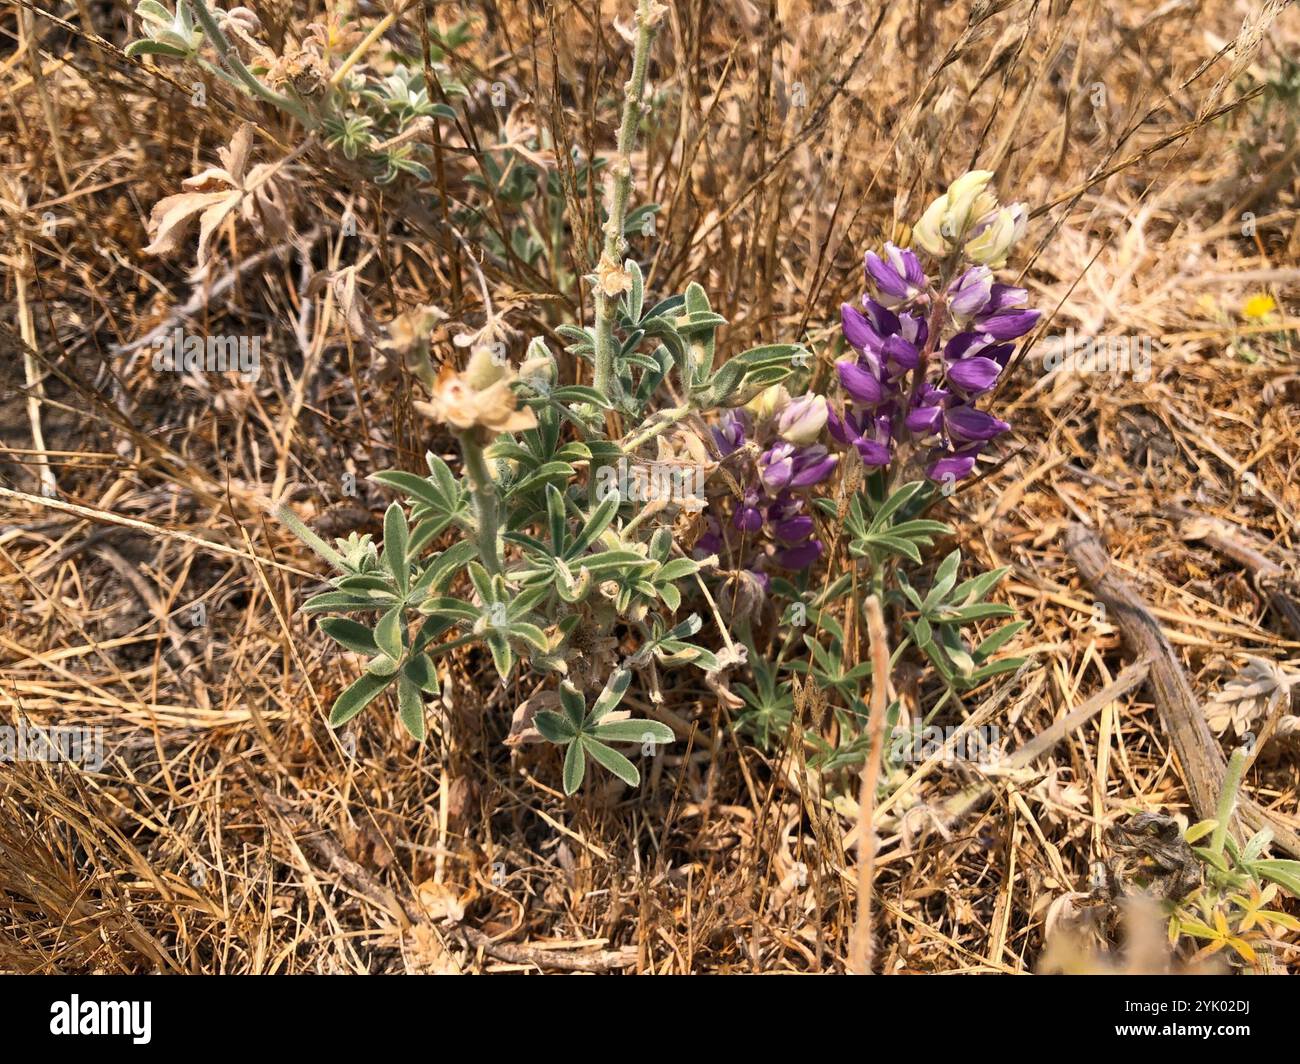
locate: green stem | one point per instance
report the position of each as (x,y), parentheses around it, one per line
(632,92)
(231,58)
(483,490)
(1228,798)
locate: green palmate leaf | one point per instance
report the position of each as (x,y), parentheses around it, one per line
(410,707)
(999,639)
(352,701)
(382,665)
(633,731)
(615,559)
(502,656)
(594,525)
(440,570)
(421,672)
(396,535)
(996,668)
(901,497)
(388,633)
(609,758)
(634,300)
(575,767)
(546,473)
(945,578)
(155,48)
(343,600)
(350,634)
(976,612)
(676,569)
(554,728)
(977,587)
(432,492)
(575,706)
(530,633)
(615,687)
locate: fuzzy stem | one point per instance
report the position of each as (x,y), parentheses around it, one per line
(1228,798)
(231,58)
(295,525)
(632,92)
(483,490)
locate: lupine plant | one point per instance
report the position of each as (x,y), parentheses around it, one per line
(678,511)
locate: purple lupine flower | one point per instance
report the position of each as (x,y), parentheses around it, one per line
(783,465)
(1008,324)
(926,416)
(711,540)
(956,465)
(965,424)
(799,557)
(973,375)
(867,432)
(748,517)
(1005,297)
(863,385)
(812,465)
(731,432)
(860,332)
(970,292)
(898,277)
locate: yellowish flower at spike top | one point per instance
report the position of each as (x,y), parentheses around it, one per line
(969,213)
(479,399)
(769,402)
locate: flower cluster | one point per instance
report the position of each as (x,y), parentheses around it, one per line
(769,525)
(894,395)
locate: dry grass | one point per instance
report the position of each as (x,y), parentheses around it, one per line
(230,831)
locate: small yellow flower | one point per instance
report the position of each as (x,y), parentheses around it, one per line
(1258,306)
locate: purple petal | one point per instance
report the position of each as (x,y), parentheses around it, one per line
(857,330)
(886,278)
(798,557)
(815,472)
(965,423)
(1010,324)
(925,420)
(954,466)
(1005,297)
(873,453)
(974,375)
(748,519)
(859,383)
(884,320)
(965,344)
(794,530)
(900,351)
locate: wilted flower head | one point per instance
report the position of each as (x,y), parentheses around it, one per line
(479,399)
